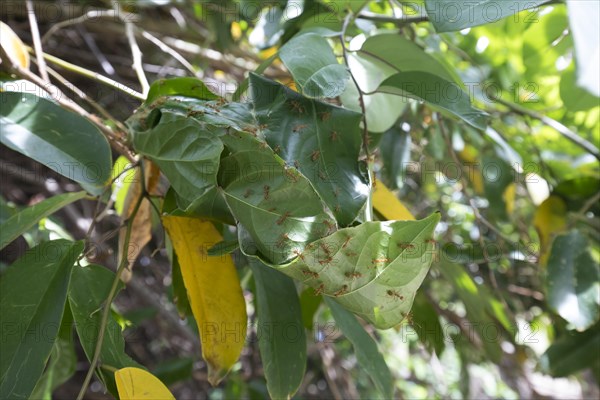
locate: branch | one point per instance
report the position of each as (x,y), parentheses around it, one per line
(552,123)
(136,53)
(95,76)
(403,20)
(37,44)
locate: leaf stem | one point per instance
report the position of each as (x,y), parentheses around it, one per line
(109,300)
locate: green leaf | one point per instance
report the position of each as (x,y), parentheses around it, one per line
(275,204)
(572,352)
(574,97)
(88,291)
(323,141)
(572,280)
(182,86)
(373,269)
(281,336)
(386,54)
(25,219)
(367,354)
(63,360)
(310,305)
(480,306)
(426,323)
(314,67)
(454,15)
(61,140)
(33,292)
(186,152)
(436,91)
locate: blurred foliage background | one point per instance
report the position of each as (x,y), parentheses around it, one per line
(510,307)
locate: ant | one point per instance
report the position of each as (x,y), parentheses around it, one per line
(312,274)
(314,156)
(353,275)
(342,291)
(283,218)
(394,294)
(266,190)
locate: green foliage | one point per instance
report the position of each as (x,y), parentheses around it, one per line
(89,288)
(367,353)
(483,115)
(281,337)
(63,141)
(33,295)
(572,285)
(19,223)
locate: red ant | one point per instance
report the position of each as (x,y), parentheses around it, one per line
(283,218)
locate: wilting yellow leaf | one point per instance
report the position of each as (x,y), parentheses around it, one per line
(141,231)
(137,384)
(388,205)
(509,197)
(214,292)
(550,219)
(13,47)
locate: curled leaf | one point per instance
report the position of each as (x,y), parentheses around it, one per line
(373,269)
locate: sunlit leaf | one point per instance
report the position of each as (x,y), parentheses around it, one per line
(454,15)
(181,86)
(549,220)
(388,205)
(25,219)
(62,140)
(13,47)
(373,270)
(137,384)
(572,280)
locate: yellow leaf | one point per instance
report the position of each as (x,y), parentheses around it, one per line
(137,384)
(141,231)
(388,205)
(509,198)
(469,156)
(214,292)
(549,220)
(12,47)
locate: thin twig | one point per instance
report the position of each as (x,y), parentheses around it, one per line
(552,123)
(67,103)
(85,17)
(169,50)
(95,76)
(136,53)
(37,44)
(101,110)
(398,21)
(107,305)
